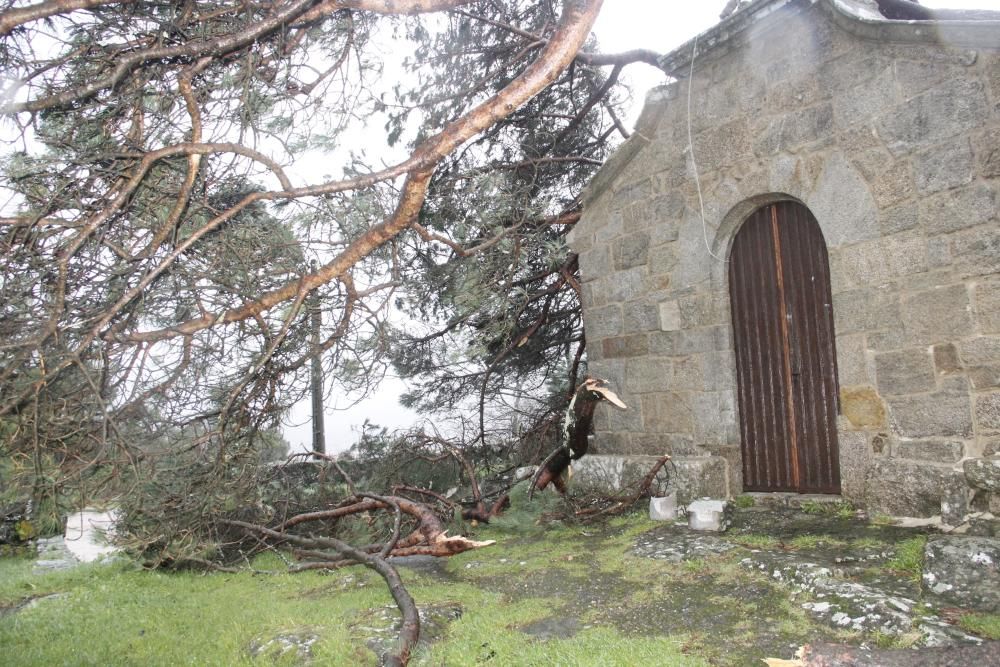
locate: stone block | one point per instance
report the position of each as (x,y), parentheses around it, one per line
(627,193)
(939,253)
(983,473)
(860,310)
(627,285)
(904,372)
(937,315)
(670,316)
(857,103)
(613,474)
(916,76)
(946,359)
(709,515)
(631,251)
(656,444)
(691,341)
(616,419)
(955,504)
(981,358)
(688,373)
(802,126)
(899,219)
(663,508)
(988,412)
(852,360)
(612,228)
(663,259)
(604,322)
(661,235)
(963,571)
(977,250)
(698,477)
(855,459)
(596,262)
(667,412)
(647,375)
(636,345)
(987,306)
(950,211)
(714,414)
(605,442)
(725,144)
(938,451)
(940,414)
(635,218)
(906,488)
(879,261)
(893,184)
(666,207)
(944,166)
(953,108)
(699,310)
(841,199)
(863,407)
(640,317)
(719,370)
(988,154)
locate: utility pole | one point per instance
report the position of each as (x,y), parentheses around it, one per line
(316,374)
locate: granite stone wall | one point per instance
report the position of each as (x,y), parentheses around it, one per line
(894,145)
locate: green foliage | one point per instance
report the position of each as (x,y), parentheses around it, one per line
(744,502)
(529,516)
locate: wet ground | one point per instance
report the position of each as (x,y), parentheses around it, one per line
(777,579)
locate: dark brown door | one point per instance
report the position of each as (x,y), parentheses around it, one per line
(786,361)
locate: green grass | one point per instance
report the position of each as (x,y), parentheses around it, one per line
(867,543)
(117,615)
(808,541)
(626,609)
(744,502)
(841,510)
(985,625)
(753,541)
(909,558)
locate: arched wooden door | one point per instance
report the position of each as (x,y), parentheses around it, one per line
(786,360)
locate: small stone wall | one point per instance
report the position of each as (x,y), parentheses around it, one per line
(892,140)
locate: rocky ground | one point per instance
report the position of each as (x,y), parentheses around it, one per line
(778,578)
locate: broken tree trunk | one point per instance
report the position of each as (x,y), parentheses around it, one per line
(576,430)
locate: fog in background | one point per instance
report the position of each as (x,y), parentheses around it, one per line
(660,25)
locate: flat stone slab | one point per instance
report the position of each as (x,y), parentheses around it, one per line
(292,646)
(382,625)
(963,571)
(844,583)
(676,546)
(850,605)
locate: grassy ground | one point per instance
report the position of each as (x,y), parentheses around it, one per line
(565,596)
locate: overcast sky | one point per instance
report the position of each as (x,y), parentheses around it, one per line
(660,25)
